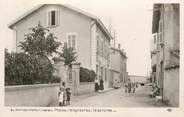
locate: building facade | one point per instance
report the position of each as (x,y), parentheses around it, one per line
(165,57)
(78,29)
(118,65)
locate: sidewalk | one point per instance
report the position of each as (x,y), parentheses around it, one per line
(77,98)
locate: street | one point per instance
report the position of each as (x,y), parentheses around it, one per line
(118,98)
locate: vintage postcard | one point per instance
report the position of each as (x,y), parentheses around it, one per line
(109,57)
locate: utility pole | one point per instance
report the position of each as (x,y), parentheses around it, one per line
(114,38)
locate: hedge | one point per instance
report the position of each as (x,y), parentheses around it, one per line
(22,69)
(87,75)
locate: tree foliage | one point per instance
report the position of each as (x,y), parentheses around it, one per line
(69,55)
(87,75)
(37,42)
(23,69)
(32,65)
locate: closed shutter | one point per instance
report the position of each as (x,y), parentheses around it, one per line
(57,17)
(49,18)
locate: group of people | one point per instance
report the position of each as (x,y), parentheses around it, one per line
(130,86)
(99,86)
(64,95)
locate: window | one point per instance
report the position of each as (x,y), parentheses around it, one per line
(53,17)
(102,47)
(72,39)
(98,46)
(65,44)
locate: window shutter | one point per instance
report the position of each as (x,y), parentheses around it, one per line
(57,17)
(69,41)
(49,18)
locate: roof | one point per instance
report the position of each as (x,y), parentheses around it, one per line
(122,53)
(156,17)
(98,21)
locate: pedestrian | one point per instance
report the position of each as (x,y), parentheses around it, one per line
(126,87)
(101,85)
(68,94)
(129,86)
(63,90)
(96,85)
(136,84)
(60,97)
(133,87)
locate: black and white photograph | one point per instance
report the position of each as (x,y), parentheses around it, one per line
(84,53)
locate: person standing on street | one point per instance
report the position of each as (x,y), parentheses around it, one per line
(68,94)
(133,87)
(126,87)
(129,86)
(96,85)
(101,85)
(60,97)
(63,90)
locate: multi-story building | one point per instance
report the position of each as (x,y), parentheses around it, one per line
(78,29)
(118,66)
(165,60)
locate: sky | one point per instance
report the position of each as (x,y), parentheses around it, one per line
(131,20)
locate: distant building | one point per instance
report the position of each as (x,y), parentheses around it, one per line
(138,79)
(118,65)
(78,29)
(166,54)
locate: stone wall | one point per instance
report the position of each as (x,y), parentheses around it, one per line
(86,88)
(171,87)
(31,95)
(41,95)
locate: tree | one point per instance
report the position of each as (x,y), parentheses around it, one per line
(33,64)
(69,56)
(21,69)
(38,43)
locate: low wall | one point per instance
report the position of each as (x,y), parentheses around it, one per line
(40,95)
(31,95)
(171,87)
(86,87)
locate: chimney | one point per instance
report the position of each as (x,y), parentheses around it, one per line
(119,46)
